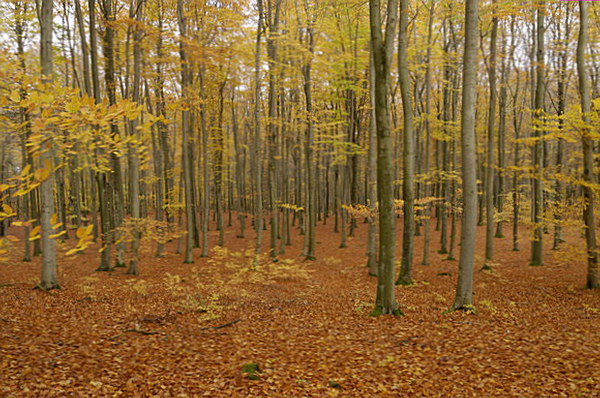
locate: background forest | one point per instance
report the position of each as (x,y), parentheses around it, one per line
(278,144)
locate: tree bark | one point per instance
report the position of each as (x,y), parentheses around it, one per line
(185,123)
(490,166)
(135,148)
(592,281)
(49,270)
(464,288)
(372,178)
(408,149)
(258,208)
(382,48)
(538,158)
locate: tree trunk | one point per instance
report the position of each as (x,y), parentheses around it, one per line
(408,186)
(134,155)
(49,271)
(538,122)
(185,124)
(502,105)
(372,178)
(426,184)
(490,166)
(588,154)
(464,288)
(311,202)
(382,48)
(258,209)
(273,11)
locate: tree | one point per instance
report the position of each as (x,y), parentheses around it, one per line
(185,126)
(538,189)
(408,151)
(258,207)
(490,167)
(382,45)
(372,178)
(135,158)
(588,151)
(49,273)
(464,288)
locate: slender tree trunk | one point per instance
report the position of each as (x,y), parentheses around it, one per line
(134,155)
(239,172)
(427,188)
(490,166)
(502,104)
(561,93)
(205,168)
(311,203)
(538,158)
(372,179)
(258,209)
(273,9)
(408,185)
(19,28)
(185,124)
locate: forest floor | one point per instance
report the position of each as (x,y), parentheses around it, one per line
(187,330)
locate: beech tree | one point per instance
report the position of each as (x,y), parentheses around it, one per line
(405,277)
(49,272)
(382,45)
(464,288)
(588,152)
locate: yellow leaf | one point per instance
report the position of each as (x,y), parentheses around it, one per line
(7,209)
(41,174)
(58,234)
(12,238)
(80,232)
(54,219)
(73,251)
(35,233)
(15,96)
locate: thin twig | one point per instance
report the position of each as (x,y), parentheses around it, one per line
(223,325)
(144,332)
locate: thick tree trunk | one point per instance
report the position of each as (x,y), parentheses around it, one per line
(464,288)
(382,48)
(49,272)
(592,281)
